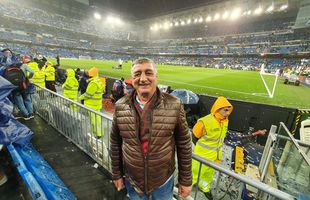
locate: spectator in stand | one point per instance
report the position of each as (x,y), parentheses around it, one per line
(58,60)
(3,177)
(128,86)
(83,83)
(78,74)
(18,74)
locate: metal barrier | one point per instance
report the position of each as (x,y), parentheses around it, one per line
(81,125)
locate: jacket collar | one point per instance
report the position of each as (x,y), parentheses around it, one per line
(131,98)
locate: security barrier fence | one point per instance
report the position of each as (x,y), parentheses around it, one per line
(83,127)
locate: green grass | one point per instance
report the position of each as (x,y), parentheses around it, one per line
(234,84)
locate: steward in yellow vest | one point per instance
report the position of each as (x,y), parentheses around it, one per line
(39,76)
(71,85)
(49,71)
(93,99)
(210,131)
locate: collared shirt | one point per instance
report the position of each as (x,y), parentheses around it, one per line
(139,102)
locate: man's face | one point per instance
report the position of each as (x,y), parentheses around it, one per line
(7,53)
(144,78)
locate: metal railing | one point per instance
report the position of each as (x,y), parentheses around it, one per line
(81,126)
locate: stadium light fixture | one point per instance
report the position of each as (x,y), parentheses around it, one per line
(110,19)
(97,16)
(225,15)
(200,20)
(189,21)
(166,25)
(216,16)
(258,10)
(155,28)
(270,9)
(171,24)
(182,23)
(208,19)
(176,23)
(284,7)
(195,20)
(114,20)
(249,12)
(118,21)
(235,14)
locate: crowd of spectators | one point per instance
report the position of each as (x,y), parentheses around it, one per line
(38,16)
(301,66)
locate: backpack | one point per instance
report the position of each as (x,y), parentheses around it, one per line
(117,90)
(16,76)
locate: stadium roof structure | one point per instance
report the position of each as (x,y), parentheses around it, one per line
(144,9)
(154,11)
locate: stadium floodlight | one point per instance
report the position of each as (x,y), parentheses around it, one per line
(200,20)
(270,9)
(155,28)
(118,21)
(235,14)
(216,16)
(114,20)
(97,16)
(283,7)
(182,23)
(208,19)
(225,15)
(258,10)
(249,12)
(171,24)
(166,25)
(160,26)
(195,20)
(110,19)
(189,21)
(176,23)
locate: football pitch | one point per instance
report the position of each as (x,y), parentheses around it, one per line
(233,84)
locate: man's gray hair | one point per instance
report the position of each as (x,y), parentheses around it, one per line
(144,60)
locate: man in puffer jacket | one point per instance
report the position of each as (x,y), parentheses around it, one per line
(148,126)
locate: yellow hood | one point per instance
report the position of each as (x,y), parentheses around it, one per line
(220,102)
(48,63)
(93,72)
(70,73)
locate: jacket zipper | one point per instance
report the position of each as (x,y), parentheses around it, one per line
(145,157)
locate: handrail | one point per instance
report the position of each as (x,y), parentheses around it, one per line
(257,184)
(295,143)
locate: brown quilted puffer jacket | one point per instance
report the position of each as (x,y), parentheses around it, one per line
(169,133)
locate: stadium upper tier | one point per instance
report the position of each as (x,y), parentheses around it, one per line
(41,17)
(219,46)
